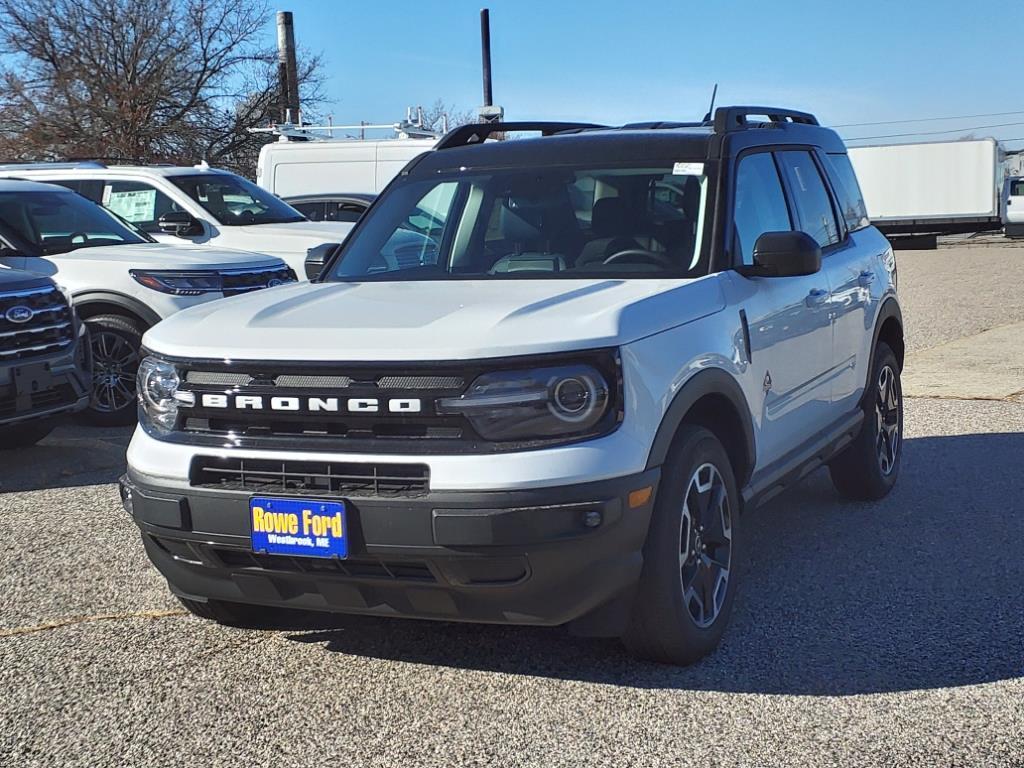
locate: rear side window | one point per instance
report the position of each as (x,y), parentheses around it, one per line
(813,205)
(760,204)
(851,201)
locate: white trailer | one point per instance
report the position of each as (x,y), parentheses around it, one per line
(930,188)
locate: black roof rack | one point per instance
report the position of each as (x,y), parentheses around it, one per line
(735,118)
(477,133)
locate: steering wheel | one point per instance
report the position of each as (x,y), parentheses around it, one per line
(651,257)
(73,235)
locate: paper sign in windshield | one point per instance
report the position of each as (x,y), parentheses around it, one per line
(688,169)
(138,205)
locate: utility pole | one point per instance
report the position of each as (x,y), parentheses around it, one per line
(488,112)
(287,68)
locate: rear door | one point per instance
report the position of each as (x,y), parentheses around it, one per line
(788,320)
(856,271)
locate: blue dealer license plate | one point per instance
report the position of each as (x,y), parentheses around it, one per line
(302,527)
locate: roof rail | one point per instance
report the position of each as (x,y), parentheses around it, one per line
(51,166)
(735,118)
(658,125)
(477,133)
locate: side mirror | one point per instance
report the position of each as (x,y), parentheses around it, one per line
(180,224)
(784,254)
(318,256)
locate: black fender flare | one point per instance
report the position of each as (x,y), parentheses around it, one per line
(890,309)
(121,301)
(710,381)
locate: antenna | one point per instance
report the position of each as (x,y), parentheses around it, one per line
(711,109)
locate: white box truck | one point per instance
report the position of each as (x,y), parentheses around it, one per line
(932,188)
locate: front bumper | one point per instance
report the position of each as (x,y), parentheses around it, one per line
(538,556)
(47,387)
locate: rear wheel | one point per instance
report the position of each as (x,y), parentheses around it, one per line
(867,469)
(115,341)
(689,576)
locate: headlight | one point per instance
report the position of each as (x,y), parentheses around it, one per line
(158,392)
(178,283)
(539,403)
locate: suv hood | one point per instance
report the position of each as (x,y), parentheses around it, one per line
(449,320)
(163,256)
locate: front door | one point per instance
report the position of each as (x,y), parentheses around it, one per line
(787,317)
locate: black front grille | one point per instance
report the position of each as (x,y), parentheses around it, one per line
(309,478)
(353,568)
(47,324)
(245,280)
(299,385)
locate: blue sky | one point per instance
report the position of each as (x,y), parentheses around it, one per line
(609,61)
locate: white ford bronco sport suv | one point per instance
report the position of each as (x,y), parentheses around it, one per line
(613,342)
(200,205)
(122,282)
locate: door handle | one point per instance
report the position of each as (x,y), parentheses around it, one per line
(816,298)
(865,278)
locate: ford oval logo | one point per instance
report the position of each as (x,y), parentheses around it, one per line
(19,314)
(274,282)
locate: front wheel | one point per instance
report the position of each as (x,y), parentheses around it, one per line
(688,581)
(115,343)
(867,469)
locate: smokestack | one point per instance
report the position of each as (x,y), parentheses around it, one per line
(287,68)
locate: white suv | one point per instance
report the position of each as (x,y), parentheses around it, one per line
(599,348)
(200,205)
(121,280)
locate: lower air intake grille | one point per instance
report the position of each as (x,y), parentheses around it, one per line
(310,478)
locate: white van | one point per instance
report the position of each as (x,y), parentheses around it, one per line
(335,166)
(199,205)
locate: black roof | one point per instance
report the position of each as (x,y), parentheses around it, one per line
(730,131)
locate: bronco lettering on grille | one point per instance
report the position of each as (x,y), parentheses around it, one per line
(397,405)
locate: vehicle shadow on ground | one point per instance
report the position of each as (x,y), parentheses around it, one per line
(71,456)
(922,590)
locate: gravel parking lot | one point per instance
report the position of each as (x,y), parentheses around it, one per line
(864,634)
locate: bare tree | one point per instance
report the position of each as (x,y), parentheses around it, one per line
(138,80)
(441,115)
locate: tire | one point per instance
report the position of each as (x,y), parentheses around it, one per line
(237,614)
(115,341)
(24,435)
(669,623)
(867,469)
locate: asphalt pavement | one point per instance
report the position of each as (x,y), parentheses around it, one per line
(863,634)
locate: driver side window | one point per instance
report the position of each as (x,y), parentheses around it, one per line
(760,204)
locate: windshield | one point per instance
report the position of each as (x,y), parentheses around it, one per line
(46,223)
(235,202)
(546,222)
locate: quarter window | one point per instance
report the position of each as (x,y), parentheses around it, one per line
(760,204)
(813,205)
(851,200)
